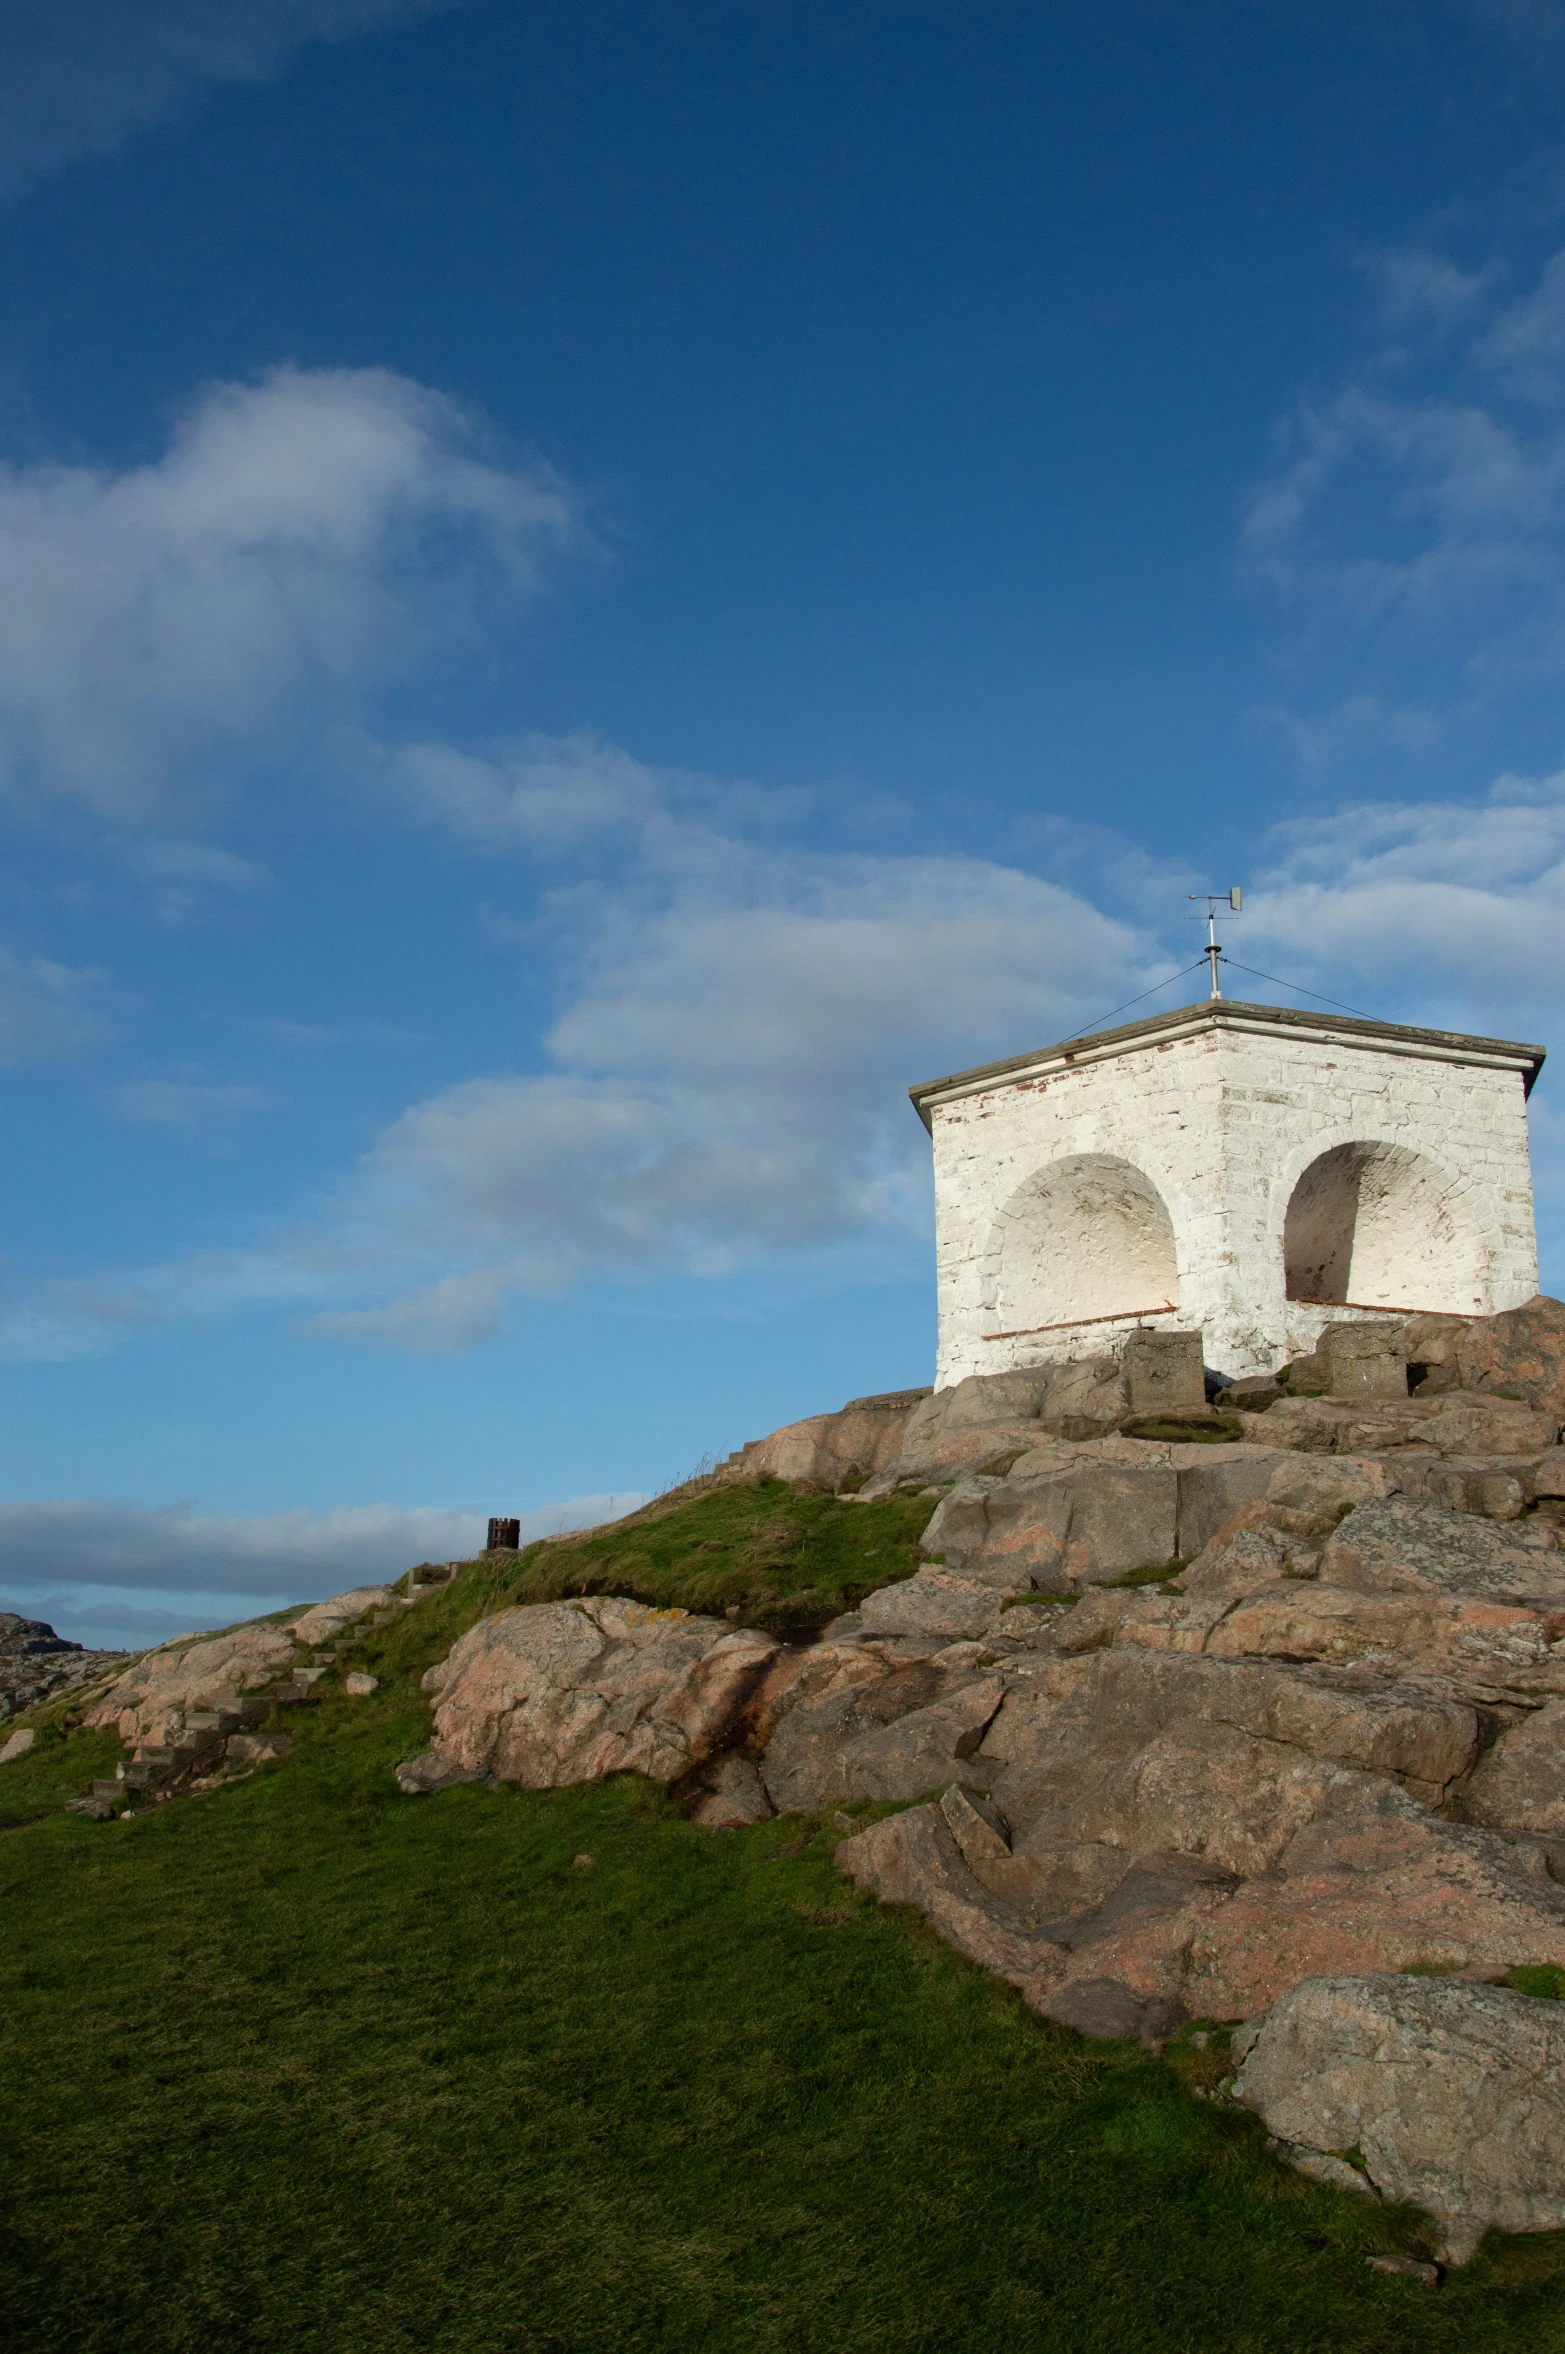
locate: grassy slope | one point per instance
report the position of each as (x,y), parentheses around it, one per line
(778,1558)
(305,2063)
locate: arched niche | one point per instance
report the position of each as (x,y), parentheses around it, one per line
(1083,1238)
(1378,1226)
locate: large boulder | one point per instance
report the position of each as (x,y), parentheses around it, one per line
(323,1622)
(1352,1873)
(1400,1545)
(1065,1519)
(1296,1799)
(987,1420)
(1452,2095)
(837,1451)
(1520,1784)
(559,1692)
(1521,1352)
(1454,1423)
(935,1604)
(1210,1756)
(857,1721)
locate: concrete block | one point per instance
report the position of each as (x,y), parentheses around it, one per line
(1165,1372)
(1364,1360)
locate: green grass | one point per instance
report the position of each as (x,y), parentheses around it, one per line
(54,1769)
(1545,1980)
(775,1557)
(303,2064)
(1219,1430)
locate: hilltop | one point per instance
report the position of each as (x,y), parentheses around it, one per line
(300,2048)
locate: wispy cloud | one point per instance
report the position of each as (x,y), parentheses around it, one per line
(80,80)
(236,600)
(47,1009)
(190,879)
(188,1104)
(1414,526)
(725,1085)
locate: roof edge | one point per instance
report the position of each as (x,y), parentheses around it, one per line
(1225,1012)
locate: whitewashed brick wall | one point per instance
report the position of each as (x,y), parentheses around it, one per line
(1047,1190)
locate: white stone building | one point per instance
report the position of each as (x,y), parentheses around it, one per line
(1242,1169)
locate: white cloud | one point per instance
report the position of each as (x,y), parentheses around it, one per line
(1415,525)
(80,79)
(187,879)
(184,1103)
(541,792)
(1421,288)
(134,1574)
(46,1009)
(728,1074)
(234,600)
(1443,912)
(728,1084)
(352,1032)
(732,1078)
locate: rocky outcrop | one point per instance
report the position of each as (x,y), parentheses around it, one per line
(184,1707)
(569,1691)
(1451,2096)
(865,1722)
(1312,1747)
(983,1424)
(150,1701)
(36,1663)
(1520,1784)
(836,1451)
(325,1621)
(1521,1352)
(1399,1546)
(1070,1515)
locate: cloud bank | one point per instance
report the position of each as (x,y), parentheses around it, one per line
(726,1083)
(123,1575)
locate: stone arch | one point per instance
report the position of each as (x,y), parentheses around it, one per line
(1085,1237)
(1376,1225)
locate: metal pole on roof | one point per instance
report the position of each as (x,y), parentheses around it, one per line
(1214,900)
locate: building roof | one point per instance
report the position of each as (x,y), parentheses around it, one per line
(1226,1013)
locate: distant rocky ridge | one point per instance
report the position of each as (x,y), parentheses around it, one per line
(36,1663)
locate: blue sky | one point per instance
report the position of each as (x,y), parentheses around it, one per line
(589,591)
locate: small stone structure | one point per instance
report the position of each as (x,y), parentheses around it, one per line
(1240,1169)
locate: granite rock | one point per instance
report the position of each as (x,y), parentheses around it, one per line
(1452,2093)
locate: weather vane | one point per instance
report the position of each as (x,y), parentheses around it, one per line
(1233,900)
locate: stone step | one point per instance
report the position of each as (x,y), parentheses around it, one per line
(213,1720)
(308,1675)
(101,1789)
(145,1773)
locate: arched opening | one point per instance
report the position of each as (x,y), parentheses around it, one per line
(1084,1238)
(1378,1226)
